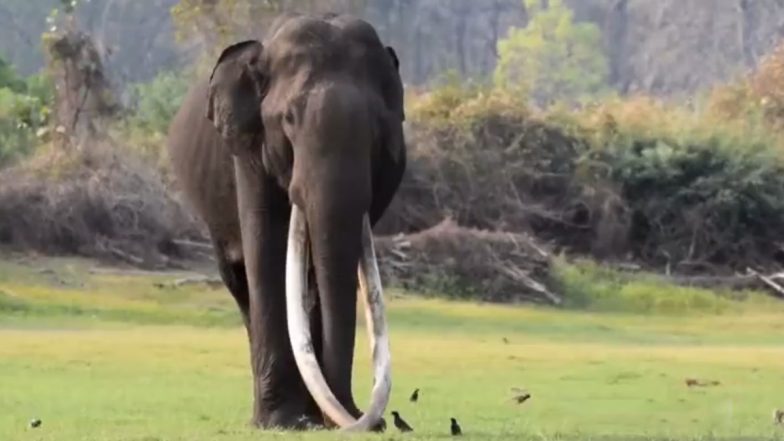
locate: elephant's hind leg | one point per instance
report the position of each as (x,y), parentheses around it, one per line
(232,272)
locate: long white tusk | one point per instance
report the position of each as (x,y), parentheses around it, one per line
(375,321)
(301,339)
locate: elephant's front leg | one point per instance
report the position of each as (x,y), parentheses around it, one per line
(280,396)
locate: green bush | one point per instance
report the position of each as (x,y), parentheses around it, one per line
(24,110)
(156,104)
(694,189)
(158,101)
(589,286)
(553,58)
(626,178)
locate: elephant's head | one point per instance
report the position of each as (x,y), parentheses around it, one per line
(318,107)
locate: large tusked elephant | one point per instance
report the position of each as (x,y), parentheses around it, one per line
(290,153)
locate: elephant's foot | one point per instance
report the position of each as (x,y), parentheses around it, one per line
(290,417)
(285,406)
(381,426)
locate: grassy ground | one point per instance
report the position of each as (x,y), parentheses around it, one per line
(108,357)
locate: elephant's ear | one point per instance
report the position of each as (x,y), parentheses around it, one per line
(393,95)
(393,55)
(236,89)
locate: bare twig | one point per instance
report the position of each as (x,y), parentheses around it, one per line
(204,246)
(212,282)
(777,289)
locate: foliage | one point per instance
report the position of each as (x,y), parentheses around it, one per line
(553,57)
(588,286)
(24,111)
(155,103)
(462,104)
(631,178)
(9,79)
(756,98)
(158,100)
(695,190)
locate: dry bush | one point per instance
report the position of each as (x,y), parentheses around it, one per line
(96,202)
(629,178)
(701,193)
(465,262)
(767,86)
(756,98)
(493,166)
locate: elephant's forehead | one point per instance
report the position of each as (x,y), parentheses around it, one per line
(337,38)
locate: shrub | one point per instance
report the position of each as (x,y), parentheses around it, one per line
(156,103)
(476,156)
(99,201)
(694,192)
(24,112)
(625,178)
(553,58)
(586,285)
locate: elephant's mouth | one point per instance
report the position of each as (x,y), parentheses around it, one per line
(299,328)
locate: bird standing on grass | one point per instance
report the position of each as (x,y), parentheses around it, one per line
(414,396)
(400,424)
(455,428)
(35,423)
(778,416)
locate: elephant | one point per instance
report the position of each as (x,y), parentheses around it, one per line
(289,153)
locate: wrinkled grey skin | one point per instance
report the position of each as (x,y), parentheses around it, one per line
(312,116)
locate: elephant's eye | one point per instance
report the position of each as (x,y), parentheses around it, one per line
(289,117)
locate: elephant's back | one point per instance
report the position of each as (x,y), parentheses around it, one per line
(203,168)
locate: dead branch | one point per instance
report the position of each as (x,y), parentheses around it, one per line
(777,290)
(203,246)
(490,265)
(212,282)
(143,273)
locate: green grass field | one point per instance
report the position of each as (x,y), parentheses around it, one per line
(108,357)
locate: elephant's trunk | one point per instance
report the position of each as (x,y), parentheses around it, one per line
(299,330)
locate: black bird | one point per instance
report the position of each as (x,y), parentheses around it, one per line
(400,424)
(455,428)
(34,423)
(521,396)
(414,396)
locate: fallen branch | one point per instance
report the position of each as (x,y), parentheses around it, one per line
(778,290)
(212,282)
(488,265)
(130,258)
(124,272)
(191,244)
